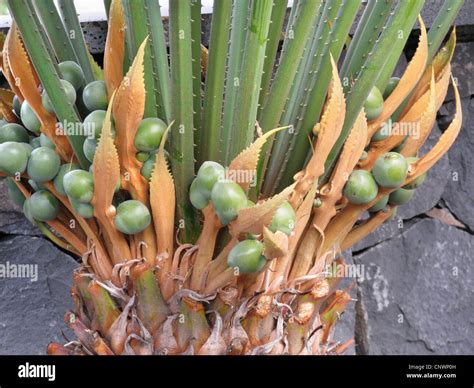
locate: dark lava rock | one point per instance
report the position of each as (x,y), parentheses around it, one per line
(344,329)
(386,231)
(462,66)
(12,220)
(417,295)
(460,188)
(32,310)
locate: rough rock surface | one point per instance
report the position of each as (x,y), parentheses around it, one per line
(386,231)
(12,220)
(344,329)
(418,292)
(458,192)
(429,194)
(31,312)
(462,69)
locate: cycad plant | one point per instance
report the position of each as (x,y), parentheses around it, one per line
(208,191)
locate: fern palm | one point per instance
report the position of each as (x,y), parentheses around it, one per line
(218,184)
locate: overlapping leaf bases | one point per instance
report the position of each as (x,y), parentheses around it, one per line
(153,293)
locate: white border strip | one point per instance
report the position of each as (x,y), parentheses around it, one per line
(93,10)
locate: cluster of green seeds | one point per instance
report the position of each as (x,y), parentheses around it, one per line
(227,199)
(24,149)
(147,141)
(390,170)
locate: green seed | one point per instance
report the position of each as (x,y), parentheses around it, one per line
(228,198)
(28,148)
(35,142)
(360,188)
(13,132)
(27,211)
(382,133)
(149,134)
(390,170)
(209,173)
(44,206)
(29,118)
(79,185)
(394,214)
(392,84)
(200,192)
(58,180)
(13,158)
(35,185)
(284,219)
(89,147)
(142,156)
(148,166)
(401,196)
(72,72)
(45,141)
(94,122)
(43,165)
(85,210)
(196,195)
(373,105)
(95,96)
(70,95)
(132,217)
(418,181)
(247,256)
(379,205)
